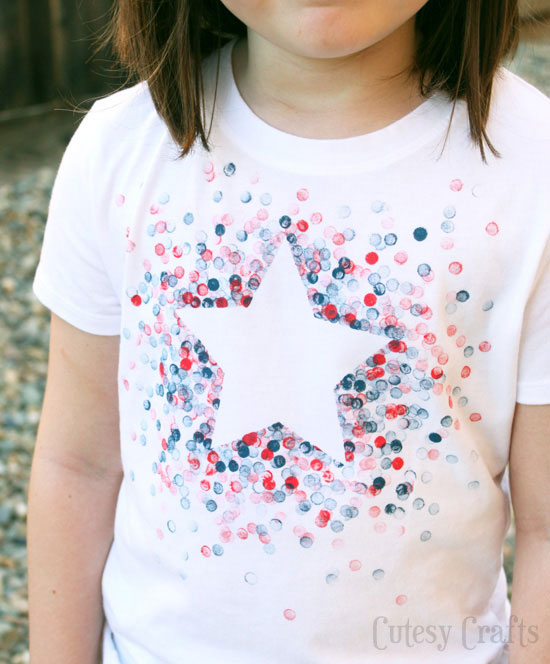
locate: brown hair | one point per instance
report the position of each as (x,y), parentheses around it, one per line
(460,44)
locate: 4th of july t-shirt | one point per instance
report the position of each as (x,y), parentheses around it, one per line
(321,347)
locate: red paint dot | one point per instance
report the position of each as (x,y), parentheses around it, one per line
(377,372)
(436,373)
(374,511)
(267,454)
(455,267)
(355,565)
(475,417)
(397,346)
(379,358)
(159,249)
(269,483)
(465,372)
(339,239)
(379,441)
(330,311)
(371,257)
(484,346)
(456,185)
(350,318)
(397,463)
(401,599)
(492,228)
(291,482)
(370,299)
(289,614)
(221,302)
(250,438)
(205,550)
(302,225)
(136,300)
(401,257)
(316,218)
(320,522)
(451,330)
(302,194)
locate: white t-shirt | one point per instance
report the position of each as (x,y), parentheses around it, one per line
(321,346)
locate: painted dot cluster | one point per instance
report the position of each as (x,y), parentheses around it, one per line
(368,288)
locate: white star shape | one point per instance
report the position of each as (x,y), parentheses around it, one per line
(280,363)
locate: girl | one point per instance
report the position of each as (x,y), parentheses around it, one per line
(299,277)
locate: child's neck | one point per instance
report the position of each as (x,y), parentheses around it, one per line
(328,97)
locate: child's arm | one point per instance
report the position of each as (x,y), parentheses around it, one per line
(75,478)
(530,493)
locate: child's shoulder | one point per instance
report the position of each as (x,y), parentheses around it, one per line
(520,109)
(120,127)
(127,106)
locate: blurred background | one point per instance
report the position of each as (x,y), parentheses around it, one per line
(47,68)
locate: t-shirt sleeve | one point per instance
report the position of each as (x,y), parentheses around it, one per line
(70,279)
(533,383)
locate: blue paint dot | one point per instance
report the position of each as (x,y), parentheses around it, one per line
(217,196)
(229,169)
(171,526)
(420,233)
(246,197)
(251,578)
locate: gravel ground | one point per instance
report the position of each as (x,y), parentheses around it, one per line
(31,150)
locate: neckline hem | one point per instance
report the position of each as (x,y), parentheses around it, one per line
(324,155)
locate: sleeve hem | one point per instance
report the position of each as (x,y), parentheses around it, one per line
(534,393)
(84,320)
